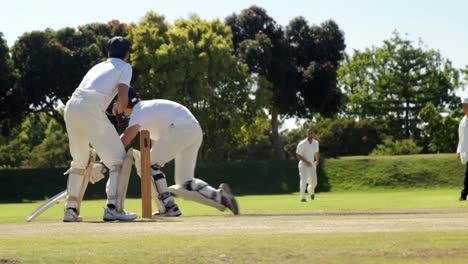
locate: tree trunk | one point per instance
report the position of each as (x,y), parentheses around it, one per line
(274,136)
(58,117)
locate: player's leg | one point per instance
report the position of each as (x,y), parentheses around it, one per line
(162,151)
(189,187)
(464,191)
(164,200)
(110,149)
(303,173)
(154,191)
(79,150)
(312,181)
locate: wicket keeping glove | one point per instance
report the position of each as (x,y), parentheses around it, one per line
(121,123)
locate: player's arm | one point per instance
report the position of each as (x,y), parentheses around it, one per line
(317,158)
(129,134)
(122,97)
(301,158)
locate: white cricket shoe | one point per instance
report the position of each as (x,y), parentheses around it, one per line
(70,215)
(227,198)
(112,215)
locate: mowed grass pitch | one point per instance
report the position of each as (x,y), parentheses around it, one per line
(398,226)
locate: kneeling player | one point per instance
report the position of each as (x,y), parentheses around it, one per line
(175,134)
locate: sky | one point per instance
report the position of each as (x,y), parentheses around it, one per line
(441,25)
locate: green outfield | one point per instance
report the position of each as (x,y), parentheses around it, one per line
(269,204)
(398,226)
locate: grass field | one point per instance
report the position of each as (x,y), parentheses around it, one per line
(398,226)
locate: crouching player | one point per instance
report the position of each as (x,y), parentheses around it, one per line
(175,134)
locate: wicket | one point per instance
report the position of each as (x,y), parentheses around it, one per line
(145,146)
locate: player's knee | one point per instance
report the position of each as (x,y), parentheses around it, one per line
(156,172)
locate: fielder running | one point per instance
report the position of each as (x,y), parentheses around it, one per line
(86,123)
(175,134)
(308,154)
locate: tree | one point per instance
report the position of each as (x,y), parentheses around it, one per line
(394,82)
(12,105)
(298,66)
(53,150)
(15,148)
(317,52)
(39,141)
(52,63)
(338,137)
(440,132)
(192,62)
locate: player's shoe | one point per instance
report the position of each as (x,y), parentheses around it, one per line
(303,200)
(462,196)
(172,211)
(312,196)
(70,215)
(227,198)
(113,215)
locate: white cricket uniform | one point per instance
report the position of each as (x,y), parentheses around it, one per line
(308,175)
(175,134)
(463,140)
(87,122)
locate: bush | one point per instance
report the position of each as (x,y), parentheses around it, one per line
(398,147)
(347,137)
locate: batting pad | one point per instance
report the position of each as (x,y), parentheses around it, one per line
(122,180)
(194,196)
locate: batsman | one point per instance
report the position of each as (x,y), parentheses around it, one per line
(175,134)
(87,123)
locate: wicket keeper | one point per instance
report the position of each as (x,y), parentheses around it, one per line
(175,134)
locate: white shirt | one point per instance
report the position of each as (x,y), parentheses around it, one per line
(307,150)
(463,139)
(157,115)
(103,78)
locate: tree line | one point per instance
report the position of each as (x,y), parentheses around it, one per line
(240,77)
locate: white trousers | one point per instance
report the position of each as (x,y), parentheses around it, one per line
(308,175)
(181,142)
(86,123)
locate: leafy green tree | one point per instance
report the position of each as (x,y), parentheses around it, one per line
(52,63)
(317,51)
(53,151)
(338,137)
(297,66)
(12,105)
(39,141)
(394,83)
(253,142)
(192,62)
(440,132)
(16,146)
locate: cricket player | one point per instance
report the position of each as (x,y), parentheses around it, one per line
(175,134)
(462,148)
(308,154)
(87,123)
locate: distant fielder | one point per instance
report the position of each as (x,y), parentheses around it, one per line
(462,148)
(307,153)
(175,134)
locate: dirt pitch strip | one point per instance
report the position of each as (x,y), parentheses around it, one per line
(300,223)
